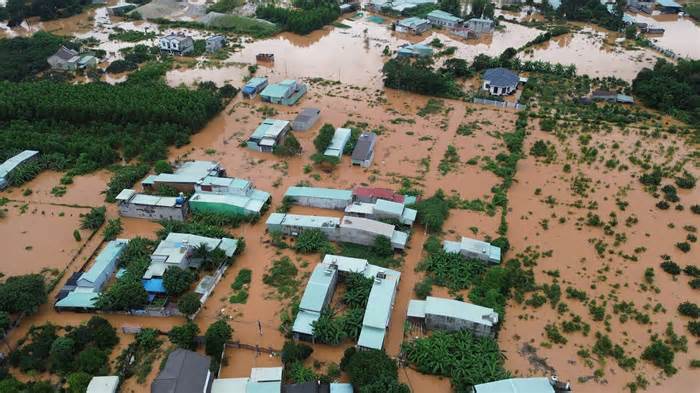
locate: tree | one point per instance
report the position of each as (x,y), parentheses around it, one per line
(290,147)
(22,294)
(15,10)
(478,7)
(539,149)
(125,294)
(311,241)
(433,212)
(78,382)
(372,371)
(5,323)
(189,303)
(113,229)
(93,361)
(177,281)
(661,355)
(61,355)
(295,352)
(93,219)
(382,247)
(324,138)
(162,166)
(454,7)
(104,335)
(184,336)
(216,337)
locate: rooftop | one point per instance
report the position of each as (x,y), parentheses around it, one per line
(413,22)
(367,225)
(389,207)
(65,54)
(104,259)
(252,203)
(279,90)
(444,15)
(377,192)
(516,385)
(415,50)
(340,138)
(12,162)
(304,221)
(78,299)
(454,309)
(346,264)
(184,372)
(668,3)
(364,146)
(106,384)
(175,245)
(501,77)
(317,192)
(256,81)
(229,385)
(187,172)
(380,297)
(269,128)
(317,288)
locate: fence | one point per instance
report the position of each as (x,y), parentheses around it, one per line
(500,104)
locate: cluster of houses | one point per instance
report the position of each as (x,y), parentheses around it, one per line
(472,28)
(648,6)
(180,44)
(13,163)
(212,192)
(286,92)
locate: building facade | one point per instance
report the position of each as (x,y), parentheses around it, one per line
(324,198)
(453,315)
(176,44)
(363,154)
(472,248)
(151,207)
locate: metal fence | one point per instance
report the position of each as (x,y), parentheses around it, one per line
(499,104)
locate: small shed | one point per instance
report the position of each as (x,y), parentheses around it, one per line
(107,384)
(603,95)
(363,154)
(624,99)
(254,86)
(500,81)
(214,43)
(337,146)
(306,119)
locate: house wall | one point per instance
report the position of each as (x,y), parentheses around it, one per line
(127,209)
(441,22)
(101,278)
(181,187)
(498,91)
(441,322)
(357,236)
(323,203)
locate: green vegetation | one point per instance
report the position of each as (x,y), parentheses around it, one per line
(130,35)
(112,229)
(23,57)
(312,241)
(184,336)
(22,294)
(671,88)
(449,161)
(225,6)
(433,211)
(226,24)
(215,339)
(689,309)
(128,292)
(660,355)
(309,15)
(324,138)
(461,356)
(94,219)
(137,359)
(592,11)
(290,147)
(282,276)
(377,255)
(189,304)
(177,281)
(419,77)
(372,371)
(18,10)
(239,286)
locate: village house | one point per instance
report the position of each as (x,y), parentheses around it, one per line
(603,95)
(413,25)
(324,198)
(377,316)
(444,19)
(382,209)
(184,371)
(269,134)
(185,176)
(317,295)
(363,154)
(107,384)
(480,25)
(295,224)
(414,50)
(152,207)
(520,385)
(13,163)
(262,380)
(287,92)
(306,119)
(500,81)
(178,249)
(372,194)
(64,59)
(452,315)
(176,44)
(225,195)
(254,86)
(341,136)
(669,6)
(472,248)
(214,43)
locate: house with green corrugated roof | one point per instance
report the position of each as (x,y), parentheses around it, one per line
(287,92)
(378,313)
(441,18)
(453,315)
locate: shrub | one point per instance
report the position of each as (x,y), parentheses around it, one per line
(424,287)
(76,235)
(660,355)
(295,352)
(548,124)
(671,267)
(184,336)
(324,138)
(539,149)
(22,294)
(686,181)
(433,212)
(382,247)
(162,166)
(177,281)
(683,246)
(290,147)
(216,337)
(93,219)
(113,228)
(689,309)
(189,304)
(311,241)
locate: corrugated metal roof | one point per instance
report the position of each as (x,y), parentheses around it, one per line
(416,309)
(364,146)
(106,384)
(229,385)
(263,387)
(254,205)
(269,128)
(440,14)
(367,225)
(346,264)
(380,298)
(318,192)
(125,194)
(337,145)
(153,285)
(388,207)
(341,388)
(304,321)
(78,300)
(278,90)
(266,374)
(317,288)
(460,310)
(413,22)
(360,208)
(668,3)
(377,192)
(304,221)
(105,260)
(399,238)
(12,162)
(371,337)
(256,81)
(516,385)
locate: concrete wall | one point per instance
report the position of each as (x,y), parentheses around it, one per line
(357,236)
(153,212)
(221,208)
(322,203)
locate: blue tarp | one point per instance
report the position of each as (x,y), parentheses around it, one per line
(154,285)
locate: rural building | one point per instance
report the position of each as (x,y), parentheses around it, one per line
(669,6)
(413,25)
(348,265)
(80,299)
(214,43)
(105,264)
(12,163)
(371,194)
(268,134)
(414,50)
(228,196)
(377,316)
(382,209)
(306,119)
(177,249)
(364,231)
(472,248)
(184,372)
(107,384)
(500,81)
(325,198)
(87,61)
(254,86)
(64,59)
(186,176)
(341,136)
(262,380)
(520,385)
(441,18)
(317,295)
(363,154)
(295,224)
(603,95)
(176,44)
(287,92)
(152,207)
(396,5)
(480,25)
(452,315)
(624,99)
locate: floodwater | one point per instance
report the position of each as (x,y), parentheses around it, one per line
(680,35)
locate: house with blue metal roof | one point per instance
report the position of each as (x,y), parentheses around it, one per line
(287,92)
(500,81)
(341,136)
(80,299)
(104,266)
(452,315)
(472,248)
(317,295)
(12,163)
(441,18)
(378,312)
(414,50)
(268,134)
(413,25)
(254,86)
(325,198)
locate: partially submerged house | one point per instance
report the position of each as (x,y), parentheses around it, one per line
(262,380)
(479,25)
(378,313)
(254,86)
(383,209)
(107,384)
(184,372)
(341,136)
(413,25)
(472,248)
(669,6)
(603,95)
(214,43)
(363,154)
(287,92)
(268,134)
(81,294)
(500,81)
(152,207)
(414,50)
(396,6)
(13,163)
(227,195)
(524,385)
(295,224)
(306,119)
(452,315)
(185,176)
(178,249)
(317,295)
(444,19)
(325,198)
(372,194)
(176,44)
(64,59)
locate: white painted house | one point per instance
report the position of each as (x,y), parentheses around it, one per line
(176,44)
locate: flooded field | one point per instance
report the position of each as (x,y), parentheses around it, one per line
(680,35)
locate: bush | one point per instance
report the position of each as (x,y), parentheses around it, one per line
(177,281)
(295,352)
(290,147)
(671,267)
(689,309)
(683,246)
(419,77)
(113,228)
(76,235)
(184,336)
(311,241)
(162,166)
(189,304)
(324,138)
(94,219)
(22,294)
(660,355)
(215,339)
(424,287)
(547,124)
(119,66)
(372,371)
(382,247)
(433,212)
